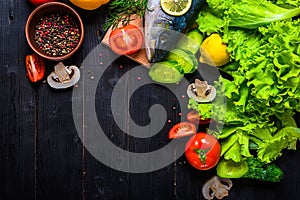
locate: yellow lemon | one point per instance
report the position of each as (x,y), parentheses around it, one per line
(89,4)
(176,7)
(213,51)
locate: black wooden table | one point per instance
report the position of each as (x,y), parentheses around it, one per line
(43,155)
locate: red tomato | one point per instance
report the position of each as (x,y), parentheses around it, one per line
(126,40)
(194,117)
(40,2)
(203,151)
(182,129)
(35,67)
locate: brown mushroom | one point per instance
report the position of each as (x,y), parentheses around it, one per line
(201,91)
(216,187)
(63,76)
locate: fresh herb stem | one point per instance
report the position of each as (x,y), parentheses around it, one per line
(120,11)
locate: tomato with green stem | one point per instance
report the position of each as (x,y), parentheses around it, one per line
(203,151)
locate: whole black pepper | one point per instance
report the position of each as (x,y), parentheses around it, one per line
(57,34)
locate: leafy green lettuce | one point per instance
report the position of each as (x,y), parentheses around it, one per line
(261,88)
(205,110)
(251,14)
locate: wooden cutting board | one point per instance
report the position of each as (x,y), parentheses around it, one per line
(140,56)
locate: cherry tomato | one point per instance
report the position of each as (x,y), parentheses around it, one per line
(182,129)
(194,117)
(40,2)
(203,151)
(126,40)
(35,67)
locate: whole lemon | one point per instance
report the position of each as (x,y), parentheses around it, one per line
(213,51)
(89,4)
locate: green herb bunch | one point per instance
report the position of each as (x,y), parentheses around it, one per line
(120,11)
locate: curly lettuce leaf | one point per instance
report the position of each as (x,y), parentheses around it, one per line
(236,147)
(251,14)
(272,148)
(287,3)
(234,153)
(269,146)
(261,92)
(205,110)
(228,143)
(209,23)
(272,68)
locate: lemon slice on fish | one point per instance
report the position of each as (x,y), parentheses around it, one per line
(175,7)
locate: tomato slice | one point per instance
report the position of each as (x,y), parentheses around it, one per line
(194,117)
(35,67)
(182,129)
(126,40)
(203,151)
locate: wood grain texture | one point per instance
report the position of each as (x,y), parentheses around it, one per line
(42,156)
(18,105)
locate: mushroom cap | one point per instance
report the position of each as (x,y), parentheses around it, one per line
(216,187)
(74,73)
(211,96)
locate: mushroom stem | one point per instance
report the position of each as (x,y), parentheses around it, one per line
(61,72)
(63,76)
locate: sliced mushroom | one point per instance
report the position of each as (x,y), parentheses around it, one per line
(201,91)
(63,76)
(216,187)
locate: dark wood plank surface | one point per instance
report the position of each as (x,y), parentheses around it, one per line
(42,155)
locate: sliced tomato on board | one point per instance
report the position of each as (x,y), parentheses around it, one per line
(194,117)
(35,67)
(203,151)
(182,129)
(126,40)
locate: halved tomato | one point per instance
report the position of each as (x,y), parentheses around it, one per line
(126,40)
(194,117)
(182,129)
(35,67)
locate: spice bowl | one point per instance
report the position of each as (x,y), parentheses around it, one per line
(54,31)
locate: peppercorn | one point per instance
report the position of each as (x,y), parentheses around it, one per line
(57,34)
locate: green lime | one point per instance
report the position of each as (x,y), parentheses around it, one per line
(231,169)
(166,72)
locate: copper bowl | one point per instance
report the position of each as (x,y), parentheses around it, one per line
(47,9)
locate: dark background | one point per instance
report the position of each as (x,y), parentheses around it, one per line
(42,156)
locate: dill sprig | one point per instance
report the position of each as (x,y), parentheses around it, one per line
(121,10)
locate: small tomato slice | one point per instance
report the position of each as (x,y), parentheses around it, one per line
(35,67)
(203,151)
(182,129)
(126,40)
(194,117)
